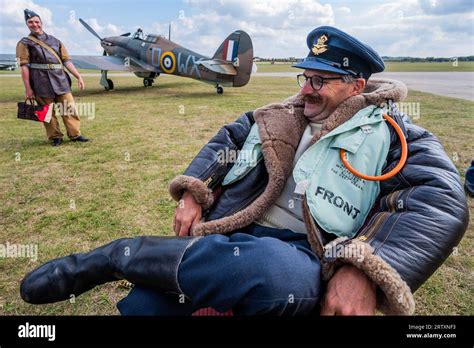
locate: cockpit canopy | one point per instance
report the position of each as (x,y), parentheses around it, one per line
(138,35)
(151,38)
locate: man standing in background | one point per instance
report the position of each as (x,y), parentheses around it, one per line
(42,59)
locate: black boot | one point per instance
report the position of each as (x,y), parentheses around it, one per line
(145,261)
(80,139)
(57,142)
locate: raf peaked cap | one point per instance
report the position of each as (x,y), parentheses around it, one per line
(331,49)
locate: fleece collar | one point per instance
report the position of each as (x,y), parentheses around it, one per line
(281,125)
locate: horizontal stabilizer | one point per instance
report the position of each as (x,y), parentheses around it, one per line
(219,66)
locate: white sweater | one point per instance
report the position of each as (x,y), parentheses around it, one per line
(287,212)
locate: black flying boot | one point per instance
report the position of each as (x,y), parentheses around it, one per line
(146,261)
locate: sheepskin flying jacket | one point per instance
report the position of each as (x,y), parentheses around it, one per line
(419,217)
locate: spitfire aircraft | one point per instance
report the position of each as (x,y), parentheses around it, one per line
(151,55)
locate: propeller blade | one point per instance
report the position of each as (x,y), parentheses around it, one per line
(88,27)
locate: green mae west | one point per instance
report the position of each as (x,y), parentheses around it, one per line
(248,158)
(338,200)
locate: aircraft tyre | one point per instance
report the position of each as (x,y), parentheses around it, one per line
(147,82)
(110,85)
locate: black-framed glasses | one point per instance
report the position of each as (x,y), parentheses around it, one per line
(316,81)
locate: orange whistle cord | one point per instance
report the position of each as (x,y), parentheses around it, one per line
(395,170)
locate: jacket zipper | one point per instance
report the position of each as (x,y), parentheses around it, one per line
(392,200)
(370,231)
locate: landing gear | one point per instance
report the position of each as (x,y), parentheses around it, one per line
(219,89)
(110,84)
(104,81)
(147,82)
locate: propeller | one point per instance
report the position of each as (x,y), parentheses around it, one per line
(88,27)
(93,32)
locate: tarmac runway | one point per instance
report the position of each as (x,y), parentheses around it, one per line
(445,83)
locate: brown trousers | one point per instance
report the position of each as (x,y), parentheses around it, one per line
(67,108)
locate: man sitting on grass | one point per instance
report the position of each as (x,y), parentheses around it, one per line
(284,228)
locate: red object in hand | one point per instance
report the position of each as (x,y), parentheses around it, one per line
(44,112)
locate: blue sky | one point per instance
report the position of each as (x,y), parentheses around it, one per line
(278,27)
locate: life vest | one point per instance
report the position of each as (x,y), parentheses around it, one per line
(338,200)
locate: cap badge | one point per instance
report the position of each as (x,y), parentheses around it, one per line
(320,46)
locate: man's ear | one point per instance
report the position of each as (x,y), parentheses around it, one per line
(358,86)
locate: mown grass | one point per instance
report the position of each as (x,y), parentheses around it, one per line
(78,196)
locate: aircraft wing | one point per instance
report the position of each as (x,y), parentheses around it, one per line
(8,65)
(99,62)
(8,61)
(140,66)
(219,66)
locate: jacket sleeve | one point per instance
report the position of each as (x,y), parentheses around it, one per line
(63,53)
(209,167)
(421,216)
(423,211)
(22,53)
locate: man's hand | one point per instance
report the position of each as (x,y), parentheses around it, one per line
(29,93)
(72,69)
(81,83)
(349,292)
(187,214)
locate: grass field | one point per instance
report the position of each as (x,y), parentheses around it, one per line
(390,67)
(78,196)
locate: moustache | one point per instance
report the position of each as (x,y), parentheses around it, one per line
(311,99)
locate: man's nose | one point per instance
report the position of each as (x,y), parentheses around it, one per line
(307,89)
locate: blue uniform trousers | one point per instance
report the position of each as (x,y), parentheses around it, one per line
(253,271)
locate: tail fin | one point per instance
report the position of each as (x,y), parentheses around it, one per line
(237,48)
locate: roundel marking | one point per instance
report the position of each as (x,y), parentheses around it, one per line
(168,62)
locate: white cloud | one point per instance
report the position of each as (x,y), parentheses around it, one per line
(344,9)
(95,25)
(14,28)
(278,28)
(12,21)
(12,12)
(404,28)
(446,7)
